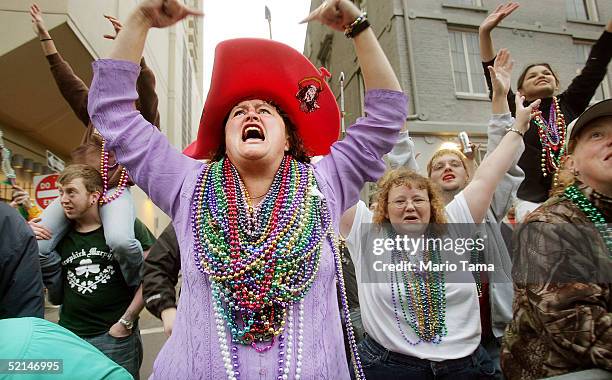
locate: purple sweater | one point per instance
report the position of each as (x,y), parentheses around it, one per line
(169,177)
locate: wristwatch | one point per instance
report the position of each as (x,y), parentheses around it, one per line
(128,324)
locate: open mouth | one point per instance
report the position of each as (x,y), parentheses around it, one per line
(252,132)
(448,177)
(606,158)
(411,218)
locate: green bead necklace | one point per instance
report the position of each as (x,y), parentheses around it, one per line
(574,195)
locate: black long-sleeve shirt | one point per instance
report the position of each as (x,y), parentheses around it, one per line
(573,101)
(21,285)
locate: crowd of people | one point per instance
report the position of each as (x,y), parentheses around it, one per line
(280,259)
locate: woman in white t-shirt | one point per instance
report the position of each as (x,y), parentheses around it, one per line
(422,323)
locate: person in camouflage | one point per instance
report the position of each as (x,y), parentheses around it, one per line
(562,319)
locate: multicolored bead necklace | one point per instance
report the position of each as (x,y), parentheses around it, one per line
(355,360)
(123,179)
(260,261)
(573,194)
(424,306)
(258,268)
(552,138)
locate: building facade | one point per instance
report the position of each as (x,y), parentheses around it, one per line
(35,118)
(433,47)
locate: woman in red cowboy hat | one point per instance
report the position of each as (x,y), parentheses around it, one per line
(257,223)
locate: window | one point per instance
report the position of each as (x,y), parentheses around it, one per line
(469,3)
(584,10)
(186,128)
(582,54)
(466,64)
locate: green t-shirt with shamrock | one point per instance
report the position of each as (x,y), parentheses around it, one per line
(95,292)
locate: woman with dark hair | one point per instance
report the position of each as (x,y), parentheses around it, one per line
(544,143)
(256,226)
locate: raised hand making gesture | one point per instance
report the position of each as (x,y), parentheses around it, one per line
(501,73)
(163,13)
(500,13)
(337,14)
(524,114)
(148,14)
(41,31)
(487,51)
(38,23)
(116,25)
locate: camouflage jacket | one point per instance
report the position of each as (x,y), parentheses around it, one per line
(562,270)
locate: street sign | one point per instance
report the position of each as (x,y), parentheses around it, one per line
(55,163)
(45,189)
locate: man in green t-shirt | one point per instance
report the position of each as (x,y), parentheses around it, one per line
(97,303)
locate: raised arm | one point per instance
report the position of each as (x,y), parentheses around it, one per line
(358,158)
(375,67)
(149,14)
(72,88)
(580,92)
(479,192)
(153,163)
(501,120)
(46,42)
(147,97)
(147,102)
(487,50)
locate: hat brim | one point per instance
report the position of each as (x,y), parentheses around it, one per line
(597,110)
(250,68)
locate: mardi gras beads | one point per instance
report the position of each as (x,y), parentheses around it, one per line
(421,297)
(260,266)
(261,261)
(552,139)
(574,195)
(123,178)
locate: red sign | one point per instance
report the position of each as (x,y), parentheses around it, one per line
(45,189)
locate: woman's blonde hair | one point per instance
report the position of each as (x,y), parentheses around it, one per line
(409,178)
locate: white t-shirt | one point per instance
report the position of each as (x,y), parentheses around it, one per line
(377,311)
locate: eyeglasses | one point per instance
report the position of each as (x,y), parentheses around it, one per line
(402,203)
(452,163)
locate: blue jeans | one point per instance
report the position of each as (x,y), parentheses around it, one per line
(118,219)
(493,347)
(127,351)
(380,363)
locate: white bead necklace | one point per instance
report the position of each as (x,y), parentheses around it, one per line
(230,362)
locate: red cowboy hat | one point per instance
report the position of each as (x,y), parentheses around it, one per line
(252,68)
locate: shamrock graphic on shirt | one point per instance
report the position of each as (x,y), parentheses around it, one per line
(87,275)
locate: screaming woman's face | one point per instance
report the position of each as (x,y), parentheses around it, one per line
(255,131)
